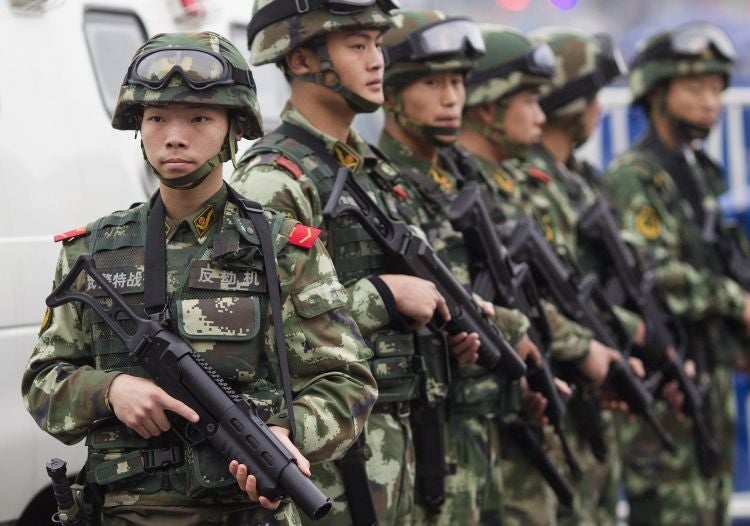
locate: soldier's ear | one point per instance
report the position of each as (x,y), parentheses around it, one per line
(485,113)
(301,61)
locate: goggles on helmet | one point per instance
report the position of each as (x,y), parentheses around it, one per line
(199,68)
(279,10)
(609,66)
(539,61)
(444,37)
(691,41)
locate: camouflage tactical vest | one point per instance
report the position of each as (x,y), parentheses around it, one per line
(355,254)
(219,307)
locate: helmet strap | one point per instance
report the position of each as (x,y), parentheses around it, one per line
(684,131)
(186,182)
(434,134)
(357,103)
(495,132)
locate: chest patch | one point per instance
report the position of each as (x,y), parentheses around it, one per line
(647,222)
(125,280)
(346,156)
(505,183)
(204,220)
(204,275)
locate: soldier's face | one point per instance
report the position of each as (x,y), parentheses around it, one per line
(358,61)
(696,99)
(179,138)
(524,118)
(436,100)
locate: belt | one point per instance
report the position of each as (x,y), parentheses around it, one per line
(397,409)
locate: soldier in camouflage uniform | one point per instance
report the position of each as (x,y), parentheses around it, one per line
(424,99)
(584,65)
(332,59)
(665,187)
(191,95)
(502,120)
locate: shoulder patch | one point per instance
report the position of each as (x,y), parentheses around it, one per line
(539,175)
(290,166)
(303,236)
(647,222)
(71,234)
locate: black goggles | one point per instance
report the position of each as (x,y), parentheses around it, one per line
(279,10)
(692,40)
(444,37)
(538,61)
(199,68)
(609,66)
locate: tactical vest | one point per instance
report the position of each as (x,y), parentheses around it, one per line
(395,364)
(219,307)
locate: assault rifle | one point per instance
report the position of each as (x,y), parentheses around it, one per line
(583,301)
(659,354)
(506,283)
(725,240)
(227,420)
(407,253)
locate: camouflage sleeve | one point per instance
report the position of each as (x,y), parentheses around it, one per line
(61,388)
(653,230)
(628,319)
(333,388)
(512,323)
(570,340)
(299,199)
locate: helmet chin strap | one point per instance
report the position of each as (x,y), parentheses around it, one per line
(186,182)
(357,103)
(435,134)
(684,131)
(495,132)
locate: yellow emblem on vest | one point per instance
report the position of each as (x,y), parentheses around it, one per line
(445,183)
(504,182)
(46,319)
(204,220)
(549,231)
(346,157)
(167,229)
(647,222)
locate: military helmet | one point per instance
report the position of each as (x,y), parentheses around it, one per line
(194,68)
(277,27)
(690,49)
(511,63)
(585,64)
(424,41)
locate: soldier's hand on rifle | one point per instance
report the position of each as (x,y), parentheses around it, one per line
(465,347)
(140,404)
(595,365)
(247,482)
(533,404)
(639,338)
(416,298)
(746,315)
(528,350)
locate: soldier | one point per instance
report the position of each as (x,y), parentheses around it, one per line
(191,96)
(331,56)
(665,188)
(502,121)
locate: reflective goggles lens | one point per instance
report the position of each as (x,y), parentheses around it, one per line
(448,36)
(695,39)
(611,63)
(541,61)
(349,7)
(200,69)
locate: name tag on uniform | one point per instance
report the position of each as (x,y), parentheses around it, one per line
(204,275)
(125,280)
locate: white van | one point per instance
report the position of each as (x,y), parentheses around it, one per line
(61,166)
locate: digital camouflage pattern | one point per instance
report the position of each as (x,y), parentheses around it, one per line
(662,230)
(577,56)
(274,42)
(234,96)
(265,175)
(405,22)
(221,310)
(504,44)
(646,75)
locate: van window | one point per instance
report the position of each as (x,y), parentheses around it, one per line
(112,38)
(273,89)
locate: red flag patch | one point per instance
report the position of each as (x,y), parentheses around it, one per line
(71,234)
(303,236)
(541,175)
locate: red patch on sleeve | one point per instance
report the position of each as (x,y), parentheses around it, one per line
(71,234)
(303,236)
(289,166)
(541,175)
(399,191)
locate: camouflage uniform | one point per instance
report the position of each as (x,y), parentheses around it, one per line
(662,227)
(474,493)
(289,176)
(220,306)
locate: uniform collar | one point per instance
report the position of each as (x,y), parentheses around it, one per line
(200,222)
(403,156)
